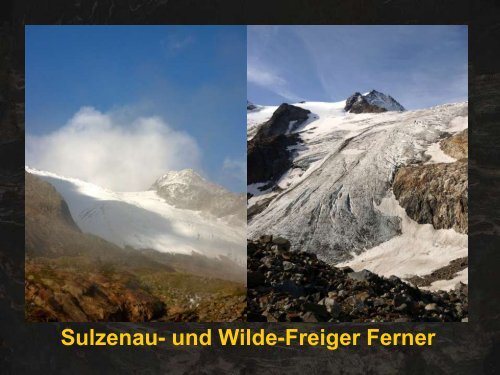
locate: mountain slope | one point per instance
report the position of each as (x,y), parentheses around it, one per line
(76,276)
(187,190)
(151,220)
(330,200)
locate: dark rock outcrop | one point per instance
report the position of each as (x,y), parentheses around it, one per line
(297,286)
(356,103)
(279,123)
(435,194)
(372,102)
(268,156)
(447,272)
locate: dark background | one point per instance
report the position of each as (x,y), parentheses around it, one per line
(468,348)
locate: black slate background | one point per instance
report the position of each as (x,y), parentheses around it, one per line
(461,348)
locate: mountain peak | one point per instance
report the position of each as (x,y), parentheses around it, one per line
(186,189)
(186,176)
(373,101)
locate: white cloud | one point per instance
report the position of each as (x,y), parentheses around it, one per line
(105,149)
(265,77)
(236,168)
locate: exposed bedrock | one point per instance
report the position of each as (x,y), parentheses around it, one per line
(434,194)
(372,102)
(280,121)
(268,156)
(357,104)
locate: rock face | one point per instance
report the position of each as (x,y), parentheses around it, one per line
(296,286)
(286,118)
(456,146)
(372,102)
(268,156)
(435,194)
(356,103)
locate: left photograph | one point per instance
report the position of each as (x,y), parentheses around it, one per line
(135,177)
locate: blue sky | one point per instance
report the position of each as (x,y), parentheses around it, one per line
(420,66)
(190,80)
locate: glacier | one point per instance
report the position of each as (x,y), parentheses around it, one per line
(335,199)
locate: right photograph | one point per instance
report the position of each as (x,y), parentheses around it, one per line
(357,157)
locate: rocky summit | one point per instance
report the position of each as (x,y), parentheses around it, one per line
(294,286)
(371,102)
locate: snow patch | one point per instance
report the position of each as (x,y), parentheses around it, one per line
(255,189)
(437,154)
(458,124)
(460,277)
(419,250)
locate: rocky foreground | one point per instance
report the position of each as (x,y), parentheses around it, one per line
(298,287)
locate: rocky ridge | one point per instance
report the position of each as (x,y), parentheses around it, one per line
(372,102)
(435,194)
(298,287)
(268,156)
(186,189)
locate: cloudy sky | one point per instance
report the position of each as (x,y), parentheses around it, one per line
(121,105)
(420,66)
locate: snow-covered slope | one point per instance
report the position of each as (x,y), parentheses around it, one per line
(145,219)
(331,201)
(187,189)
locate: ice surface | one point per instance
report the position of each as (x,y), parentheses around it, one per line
(418,250)
(329,200)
